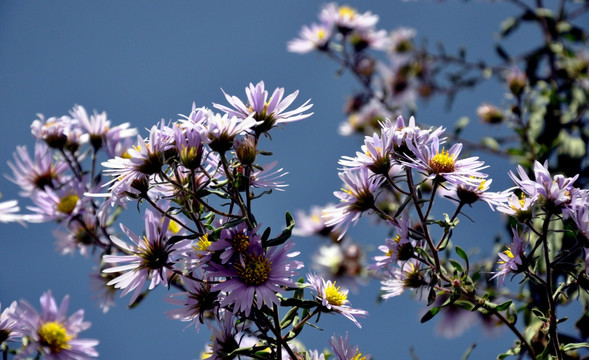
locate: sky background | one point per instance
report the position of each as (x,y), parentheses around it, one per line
(144,61)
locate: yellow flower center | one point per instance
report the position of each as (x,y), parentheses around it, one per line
(255,270)
(442,162)
(321,34)
(346,12)
(53,335)
(334,296)
(203,243)
(358,356)
(173,226)
(68,203)
(508,253)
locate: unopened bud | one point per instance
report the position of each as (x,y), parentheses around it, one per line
(516,80)
(246,150)
(490,114)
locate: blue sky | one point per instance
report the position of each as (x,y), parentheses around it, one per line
(144,61)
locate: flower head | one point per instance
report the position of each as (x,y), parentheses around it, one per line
(267,112)
(52,333)
(10,328)
(334,299)
(314,37)
(343,351)
(512,258)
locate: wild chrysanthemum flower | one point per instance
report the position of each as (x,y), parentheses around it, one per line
(53,131)
(37,173)
(512,259)
(64,203)
(196,302)
(519,207)
(314,37)
(150,258)
(235,241)
(10,328)
(555,192)
(468,192)
(406,275)
(101,134)
(356,197)
(312,223)
(334,299)
(343,351)
(267,112)
(221,130)
(375,155)
(254,278)
(396,248)
(403,134)
(52,333)
(445,164)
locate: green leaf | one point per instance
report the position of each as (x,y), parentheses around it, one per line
(285,235)
(430,314)
(508,25)
(504,306)
(456,265)
(468,352)
(575,346)
(463,255)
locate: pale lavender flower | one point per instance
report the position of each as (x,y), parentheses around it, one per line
(64,203)
(403,134)
(267,112)
(343,351)
(234,241)
(100,132)
(333,299)
(312,223)
(226,338)
(445,164)
(468,192)
(54,131)
(512,259)
(346,18)
(555,191)
(375,155)
(52,333)
(314,37)
(405,276)
(268,179)
(343,262)
(80,235)
(221,130)
(396,248)
(149,258)
(256,276)
(356,197)
(520,207)
(10,327)
(37,173)
(104,294)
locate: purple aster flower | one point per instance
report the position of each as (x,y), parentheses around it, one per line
(81,234)
(356,197)
(150,258)
(268,112)
(468,192)
(266,178)
(555,191)
(226,338)
(407,275)
(333,299)
(53,131)
(312,223)
(445,164)
(375,154)
(512,259)
(101,133)
(234,241)
(343,351)
(402,40)
(196,302)
(64,203)
(520,207)
(10,327)
(402,134)
(221,130)
(189,144)
(52,333)
(38,173)
(314,37)
(396,248)
(255,277)
(365,120)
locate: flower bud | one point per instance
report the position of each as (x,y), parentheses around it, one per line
(246,150)
(516,80)
(490,114)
